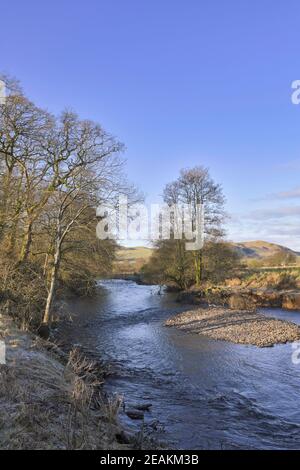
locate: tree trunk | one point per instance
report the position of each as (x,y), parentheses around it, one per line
(53,279)
(16,218)
(55,269)
(12,238)
(198,267)
(45,265)
(27,240)
(5,201)
(13,234)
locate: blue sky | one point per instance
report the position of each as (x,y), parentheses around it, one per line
(181,83)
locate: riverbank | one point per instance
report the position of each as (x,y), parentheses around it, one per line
(240,327)
(52,400)
(205,394)
(242,298)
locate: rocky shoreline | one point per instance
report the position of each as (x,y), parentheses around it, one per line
(236,326)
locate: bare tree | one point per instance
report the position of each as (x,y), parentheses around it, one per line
(22,127)
(195,187)
(53,174)
(85,168)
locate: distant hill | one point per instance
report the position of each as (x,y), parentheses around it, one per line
(131,260)
(261,250)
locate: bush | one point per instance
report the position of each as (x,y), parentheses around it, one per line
(23,292)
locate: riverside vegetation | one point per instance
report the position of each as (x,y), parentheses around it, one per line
(53,400)
(221,272)
(217,275)
(227,305)
(54,171)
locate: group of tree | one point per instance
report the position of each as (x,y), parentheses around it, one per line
(171,261)
(54,172)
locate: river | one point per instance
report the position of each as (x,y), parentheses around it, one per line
(205,394)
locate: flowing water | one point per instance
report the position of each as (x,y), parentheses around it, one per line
(204,393)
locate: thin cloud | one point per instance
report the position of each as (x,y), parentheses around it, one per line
(276,213)
(281,231)
(281,195)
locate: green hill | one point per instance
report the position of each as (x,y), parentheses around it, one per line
(262,250)
(132,259)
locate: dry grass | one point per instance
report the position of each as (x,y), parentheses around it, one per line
(49,403)
(278,280)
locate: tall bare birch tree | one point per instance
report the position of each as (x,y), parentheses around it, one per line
(86,167)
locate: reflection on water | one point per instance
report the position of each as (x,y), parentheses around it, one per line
(205,393)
